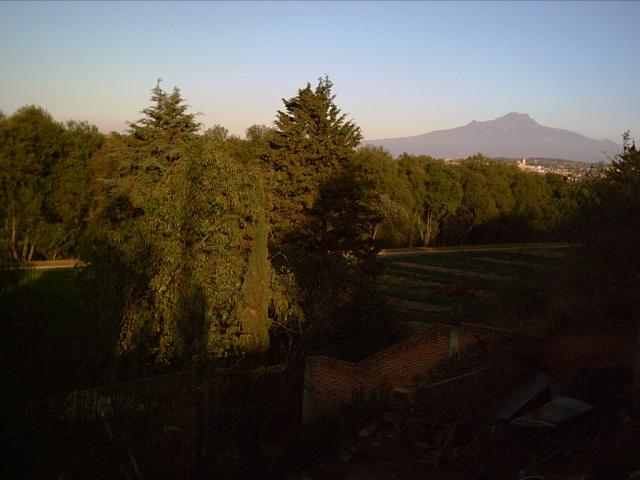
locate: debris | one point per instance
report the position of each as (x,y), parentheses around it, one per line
(523,396)
(557,411)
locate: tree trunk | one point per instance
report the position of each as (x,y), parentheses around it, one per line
(427,236)
(33,248)
(413,224)
(25,248)
(14,250)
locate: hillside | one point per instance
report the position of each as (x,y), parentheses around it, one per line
(512,135)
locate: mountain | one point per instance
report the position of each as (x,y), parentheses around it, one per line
(515,135)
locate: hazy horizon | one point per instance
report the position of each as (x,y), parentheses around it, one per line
(399,69)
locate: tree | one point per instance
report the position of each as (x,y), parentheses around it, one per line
(30,147)
(160,137)
(69,195)
(320,237)
(193,248)
(609,227)
(443,196)
(312,140)
(534,210)
(487,196)
(384,196)
(192,254)
(167,123)
(218,133)
(44,182)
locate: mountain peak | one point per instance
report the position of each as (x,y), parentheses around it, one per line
(516,116)
(514,119)
(514,135)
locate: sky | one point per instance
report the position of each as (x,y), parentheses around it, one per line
(398,69)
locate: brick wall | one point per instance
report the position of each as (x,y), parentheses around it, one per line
(589,346)
(329,382)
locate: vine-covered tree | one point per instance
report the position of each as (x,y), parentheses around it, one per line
(193,254)
(196,248)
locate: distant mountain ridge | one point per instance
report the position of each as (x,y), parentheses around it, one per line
(514,135)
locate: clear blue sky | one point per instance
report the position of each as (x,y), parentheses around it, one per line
(398,68)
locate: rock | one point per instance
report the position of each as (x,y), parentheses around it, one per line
(635,475)
(345,457)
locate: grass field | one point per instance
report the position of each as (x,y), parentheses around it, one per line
(53,340)
(489,285)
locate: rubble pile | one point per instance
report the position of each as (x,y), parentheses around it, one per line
(490,413)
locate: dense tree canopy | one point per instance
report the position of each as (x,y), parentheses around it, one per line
(44,191)
(183,217)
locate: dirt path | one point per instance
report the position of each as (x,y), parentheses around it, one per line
(473,248)
(50,264)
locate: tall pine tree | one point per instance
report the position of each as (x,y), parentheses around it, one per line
(311,141)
